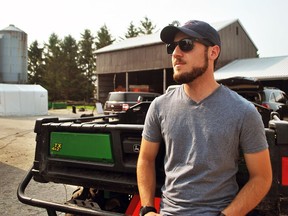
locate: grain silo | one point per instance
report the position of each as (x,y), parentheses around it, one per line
(13,55)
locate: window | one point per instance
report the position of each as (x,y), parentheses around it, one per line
(281,98)
(272,97)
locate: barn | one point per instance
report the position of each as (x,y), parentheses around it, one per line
(142,64)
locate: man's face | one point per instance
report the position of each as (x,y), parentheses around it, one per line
(189,65)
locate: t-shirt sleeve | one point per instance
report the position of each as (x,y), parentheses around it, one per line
(252,136)
(152,129)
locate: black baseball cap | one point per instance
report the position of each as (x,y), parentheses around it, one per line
(194,28)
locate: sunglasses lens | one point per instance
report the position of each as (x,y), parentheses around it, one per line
(185,45)
(171,47)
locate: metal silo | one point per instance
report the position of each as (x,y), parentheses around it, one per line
(13,55)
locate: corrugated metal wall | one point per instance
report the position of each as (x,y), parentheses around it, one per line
(13,55)
(235,44)
(136,59)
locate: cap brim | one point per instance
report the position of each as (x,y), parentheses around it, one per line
(168,33)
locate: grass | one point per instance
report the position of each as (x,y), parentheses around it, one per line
(86,107)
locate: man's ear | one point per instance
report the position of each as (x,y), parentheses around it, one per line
(214,52)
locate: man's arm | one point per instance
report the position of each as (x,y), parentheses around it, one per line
(259,183)
(146,176)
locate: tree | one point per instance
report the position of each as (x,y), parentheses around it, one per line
(175,23)
(146,26)
(132,31)
(73,80)
(67,69)
(36,65)
(52,78)
(87,61)
(103,37)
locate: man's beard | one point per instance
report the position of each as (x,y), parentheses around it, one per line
(190,76)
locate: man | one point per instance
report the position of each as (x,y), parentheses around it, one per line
(203,124)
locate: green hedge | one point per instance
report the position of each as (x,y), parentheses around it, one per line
(57,105)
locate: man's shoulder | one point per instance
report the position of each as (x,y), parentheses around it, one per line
(233,95)
(233,101)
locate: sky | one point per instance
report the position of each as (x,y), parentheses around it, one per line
(265,21)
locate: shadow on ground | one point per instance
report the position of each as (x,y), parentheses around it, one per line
(11,206)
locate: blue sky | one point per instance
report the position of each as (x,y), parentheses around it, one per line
(264,20)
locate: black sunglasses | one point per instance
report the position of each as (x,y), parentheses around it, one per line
(185,45)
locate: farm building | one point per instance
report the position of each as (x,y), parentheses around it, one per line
(142,64)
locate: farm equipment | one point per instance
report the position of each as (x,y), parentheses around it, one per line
(100,153)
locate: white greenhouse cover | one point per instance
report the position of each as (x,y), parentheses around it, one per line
(23,100)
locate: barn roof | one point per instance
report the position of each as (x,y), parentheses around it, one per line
(143,40)
(151,39)
(269,68)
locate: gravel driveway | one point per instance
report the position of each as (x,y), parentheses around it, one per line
(17,145)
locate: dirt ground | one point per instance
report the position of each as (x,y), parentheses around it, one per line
(17,145)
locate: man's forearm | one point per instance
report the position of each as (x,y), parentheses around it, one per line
(146,180)
(248,197)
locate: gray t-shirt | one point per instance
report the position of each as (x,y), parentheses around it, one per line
(202,143)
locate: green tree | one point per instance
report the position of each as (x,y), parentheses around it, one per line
(72,78)
(67,69)
(103,37)
(132,31)
(146,26)
(175,23)
(36,65)
(52,78)
(87,61)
